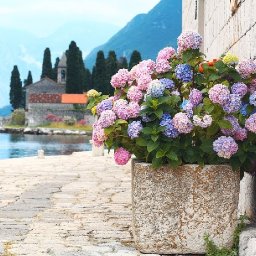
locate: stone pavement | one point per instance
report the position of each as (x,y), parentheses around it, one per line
(65,205)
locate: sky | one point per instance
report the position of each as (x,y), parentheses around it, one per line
(42,17)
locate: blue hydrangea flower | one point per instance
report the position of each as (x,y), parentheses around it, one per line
(168,83)
(243,109)
(169,131)
(233,105)
(184,73)
(184,104)
(252,99)
(134,129)
(156,89)
(106,104)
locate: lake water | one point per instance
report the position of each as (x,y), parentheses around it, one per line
(19,145)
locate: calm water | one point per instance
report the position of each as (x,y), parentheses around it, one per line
(17,145)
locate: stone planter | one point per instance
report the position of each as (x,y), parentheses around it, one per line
(174,209)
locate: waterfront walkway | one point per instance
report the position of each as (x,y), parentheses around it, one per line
(65,205)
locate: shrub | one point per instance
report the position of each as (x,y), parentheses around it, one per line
(69,120)
(18,117)
(53,118)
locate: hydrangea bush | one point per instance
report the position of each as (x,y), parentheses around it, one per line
(181,109)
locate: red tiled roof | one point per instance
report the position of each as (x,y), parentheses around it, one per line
(74,98)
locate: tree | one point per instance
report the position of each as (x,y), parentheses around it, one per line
(55,70)
(75,70)
(47,64)
(15,88)
(111,69)
(88,79)
(122,63)
(99,79)
(135,59)
(29,79)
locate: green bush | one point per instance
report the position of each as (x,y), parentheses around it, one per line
(18,117)
(68,120)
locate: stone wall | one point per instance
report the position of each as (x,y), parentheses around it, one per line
(225,25)
(37,113)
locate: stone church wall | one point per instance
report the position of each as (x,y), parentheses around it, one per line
(227,25)
(37,113)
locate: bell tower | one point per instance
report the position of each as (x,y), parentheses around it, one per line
(62,70)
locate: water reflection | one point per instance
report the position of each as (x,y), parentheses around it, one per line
(17,145)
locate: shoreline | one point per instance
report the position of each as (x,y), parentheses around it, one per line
(43,131)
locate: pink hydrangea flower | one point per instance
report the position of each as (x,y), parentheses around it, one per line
(204,122)
(107,118)
(225,147)
(134,94)
(252,86)
(98,135)
(122,156)
(133,109)
(166,54)
(250,123)
(162,66)
(182,123)
(220,94)
(120,79)
(246,68)
(189,40)
(240,134)
(143,81)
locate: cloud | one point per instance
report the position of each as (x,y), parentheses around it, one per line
(29,59)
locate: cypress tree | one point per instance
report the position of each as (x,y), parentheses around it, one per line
(122,63)
(29,79)
(15,89)
(135,59)
(75,70)
(100,83)
(47,64)
(93,77)
(111,69)
(55,70)
(88,80)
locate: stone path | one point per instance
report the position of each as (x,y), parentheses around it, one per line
(65,205)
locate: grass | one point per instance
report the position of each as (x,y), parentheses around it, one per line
(14,126)
(61,125)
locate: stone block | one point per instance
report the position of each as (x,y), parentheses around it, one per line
(247,243)
(174,209)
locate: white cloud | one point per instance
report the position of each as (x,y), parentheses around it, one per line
(29,59)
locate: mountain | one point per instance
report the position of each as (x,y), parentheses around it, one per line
(147,33)
(5,111)
(25,49)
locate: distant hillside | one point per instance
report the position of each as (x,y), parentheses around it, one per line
(6,110)
(147,33)
(24,49)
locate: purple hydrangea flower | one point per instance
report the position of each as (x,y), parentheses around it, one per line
(195,97)
(235,126)
(233,105)
(189,40)
(252,99)
(240,89)
(250,123)
(134,129)
(184,73)
(106,104)
(246,68)
(170,130)
(168,83)
(121,109)
(156,89)
(225,147)
(240,134)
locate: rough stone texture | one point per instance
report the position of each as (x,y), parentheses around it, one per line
(247,243)
(44,98)
(75,205)
(221,30)
(173,209)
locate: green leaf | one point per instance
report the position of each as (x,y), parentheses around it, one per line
(214,77)
(172,156)
(160,153)
(152,146)
(154,137)
(159,112)
(109,130)
(225,124)
(213,129)
(141,142)
(121,121)
(157,162)
(147,130)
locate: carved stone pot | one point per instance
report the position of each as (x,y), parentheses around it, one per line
(174,209)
